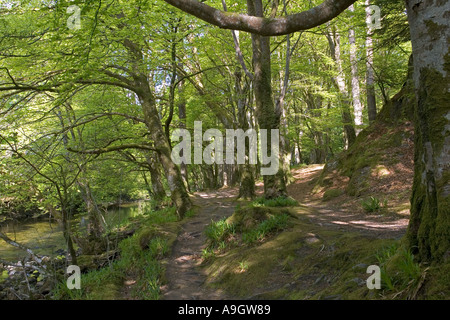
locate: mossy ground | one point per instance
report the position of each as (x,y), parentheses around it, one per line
(305,261)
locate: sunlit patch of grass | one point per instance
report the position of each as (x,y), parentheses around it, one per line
(140,258)
(275,202)
(271,225)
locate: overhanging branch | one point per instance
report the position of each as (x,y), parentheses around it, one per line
(311,18)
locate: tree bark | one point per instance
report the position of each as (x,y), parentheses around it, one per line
(334,40)
(182,125)
(274,185)
(257,24)
(356,94)
(158,191)
(179,195)
(370,74)
(429,228)
(141,87)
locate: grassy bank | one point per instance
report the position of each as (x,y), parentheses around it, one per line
(137,273)
(298,259)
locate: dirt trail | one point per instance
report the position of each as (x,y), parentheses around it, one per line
(344,213)
(185,278)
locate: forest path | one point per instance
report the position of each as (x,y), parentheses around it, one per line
(344,213)
(184,277)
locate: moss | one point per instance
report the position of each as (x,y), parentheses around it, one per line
(437,285)
(304,262)
(107,291)
(144,237)
(429,229)
(359,182)
(332,193)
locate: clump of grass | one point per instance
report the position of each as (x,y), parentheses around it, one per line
(219,233)
(373,204)
(208,253)
(273,224)
(243,266)
(401,275)
(275,202)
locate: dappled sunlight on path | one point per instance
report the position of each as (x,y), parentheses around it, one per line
(351,218)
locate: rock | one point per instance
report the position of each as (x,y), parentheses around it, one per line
(319,279)
(360,282)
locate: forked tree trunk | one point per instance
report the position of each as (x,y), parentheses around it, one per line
(179,195)
(429,228)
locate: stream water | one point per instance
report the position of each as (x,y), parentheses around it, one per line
(45,237)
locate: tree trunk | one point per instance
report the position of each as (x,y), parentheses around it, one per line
(429,228)
(357,106)
(155,177)
(370,74)
(334,40)
(182,125)
(274,185)
(179,195)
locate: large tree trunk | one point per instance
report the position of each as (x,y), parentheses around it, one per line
(274,185)
(179,195)
(429,228)
(247,179)
(158,191)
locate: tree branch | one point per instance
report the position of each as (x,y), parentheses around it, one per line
(311,18)
(114,148)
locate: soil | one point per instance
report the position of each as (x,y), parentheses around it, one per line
(185,279)
(345,212)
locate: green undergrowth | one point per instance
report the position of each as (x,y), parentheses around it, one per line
(308,261)
(275,202)
(139,262)
(373,204)
(252,224)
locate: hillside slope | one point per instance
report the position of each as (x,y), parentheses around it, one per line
(380,163)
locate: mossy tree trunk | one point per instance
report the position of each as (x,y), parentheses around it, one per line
(268,118)
(179,194)
(157,187)
(246,176)
(429,228)
(141,86)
